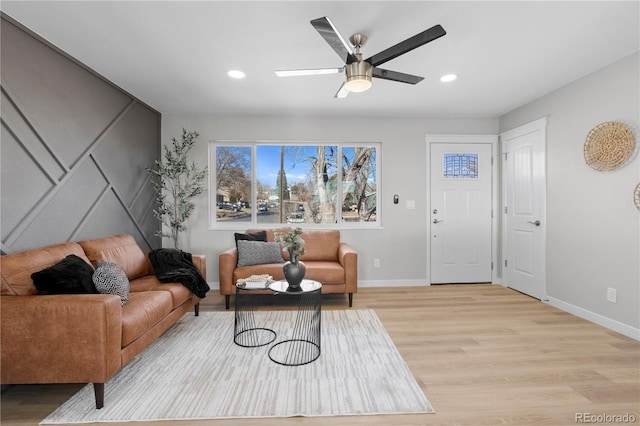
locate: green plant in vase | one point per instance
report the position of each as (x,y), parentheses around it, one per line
(292,242)
(294,270)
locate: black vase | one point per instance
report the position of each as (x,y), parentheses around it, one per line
(294,271)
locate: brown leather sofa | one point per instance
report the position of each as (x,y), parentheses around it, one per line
(327,259)
(83,338)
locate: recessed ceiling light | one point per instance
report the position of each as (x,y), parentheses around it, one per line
(237,74)
(448,77)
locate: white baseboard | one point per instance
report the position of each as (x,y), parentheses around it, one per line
(392,283)
(609,323)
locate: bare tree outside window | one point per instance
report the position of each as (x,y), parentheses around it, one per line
(359,182)
(233,183)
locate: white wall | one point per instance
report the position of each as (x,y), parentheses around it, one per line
(593,227)
(400,245)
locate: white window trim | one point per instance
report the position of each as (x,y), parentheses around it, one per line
(253,144)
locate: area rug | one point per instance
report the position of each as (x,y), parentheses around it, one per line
(195,371)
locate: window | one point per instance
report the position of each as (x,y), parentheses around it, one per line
(267,183)
(460,166)
(232,182)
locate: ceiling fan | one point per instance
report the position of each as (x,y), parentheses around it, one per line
(358,72)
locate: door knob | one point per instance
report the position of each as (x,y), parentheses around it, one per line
(536,223)
(437,221)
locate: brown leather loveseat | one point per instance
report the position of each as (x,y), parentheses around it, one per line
(83,338)
(327,259)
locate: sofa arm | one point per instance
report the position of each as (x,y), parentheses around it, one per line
(60,338)
(348,258)
(200,262)
(227,264)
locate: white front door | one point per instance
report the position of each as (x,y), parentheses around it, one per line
(460,212)
(524,206)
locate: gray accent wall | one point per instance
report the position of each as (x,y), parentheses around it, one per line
(74,150)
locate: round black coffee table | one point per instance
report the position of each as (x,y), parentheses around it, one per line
(303,347)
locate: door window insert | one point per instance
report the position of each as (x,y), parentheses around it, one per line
(460,166)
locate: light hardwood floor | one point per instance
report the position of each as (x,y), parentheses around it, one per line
(483,354)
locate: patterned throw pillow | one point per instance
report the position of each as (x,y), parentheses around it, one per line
(258,252)
(250,236)
(110,279)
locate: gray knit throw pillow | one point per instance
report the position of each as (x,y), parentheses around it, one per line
(258,252)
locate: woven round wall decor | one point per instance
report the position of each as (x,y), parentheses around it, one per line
(636,196)
(608,146)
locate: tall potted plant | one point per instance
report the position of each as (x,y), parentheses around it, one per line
(176,183)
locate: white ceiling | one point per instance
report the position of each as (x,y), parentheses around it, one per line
(174,55)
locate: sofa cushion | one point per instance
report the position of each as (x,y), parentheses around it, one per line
(146,283)
(324,272)
(16,269)
(273,269)
(110,279)
(143,311)
(321,245)
(179,293)
(123,250)
(72,275)
(258,252)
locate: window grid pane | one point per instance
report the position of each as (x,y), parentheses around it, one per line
(460,166)
(233,184)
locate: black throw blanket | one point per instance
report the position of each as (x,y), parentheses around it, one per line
(176,266)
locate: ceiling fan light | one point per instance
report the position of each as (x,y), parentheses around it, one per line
(358,76)
(358,83)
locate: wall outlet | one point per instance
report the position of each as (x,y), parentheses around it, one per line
(410,204)
(612,295)
(376,263)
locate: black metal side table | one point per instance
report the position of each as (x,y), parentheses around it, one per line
(303,347)
(246,331)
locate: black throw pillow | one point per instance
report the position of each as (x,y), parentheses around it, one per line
(71,275)
(251,236)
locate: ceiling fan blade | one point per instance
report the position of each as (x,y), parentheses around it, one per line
(342,92)
(318,71)
(396,76)
(331,35)
(407,45)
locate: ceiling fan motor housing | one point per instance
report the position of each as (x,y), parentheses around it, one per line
(358,75)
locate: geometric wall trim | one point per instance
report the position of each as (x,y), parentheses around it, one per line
(75,149)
